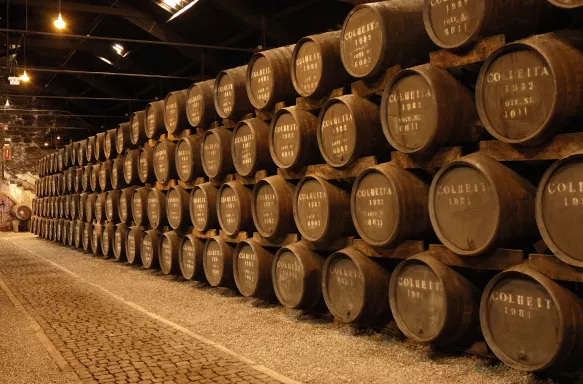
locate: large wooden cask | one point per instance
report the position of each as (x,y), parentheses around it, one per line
(123,139)
(140,206)
(389,205)
(177,208)
(531,322)
(190,258)
(477,205)
(138,128)
(188,159)
(131,162)
(83,206)
(151,249)
(203,207)
(96,239)
(99,208)
(134,245)
(530,90)
(156,208)
(79,233)
(99,149)
(272,207)
(230,93)
(72,233)
(175,119)
(432,303)
(125,204)
(78,180)
(356,288)
(87,236)
(218,262)
(146,165)
(120,236)
(105,175)
(117,173)
(250,147)
(90,149)
(234,208)
(86,180)
(112,206)
(107,236)
(200,107)
(90,207)
(109,147)
(155,119)
(164,161)
(216,153)
(168,254)
(94,178)
(74,153)
(252,270)
(82,152)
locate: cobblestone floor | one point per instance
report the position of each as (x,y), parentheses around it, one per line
(107,341)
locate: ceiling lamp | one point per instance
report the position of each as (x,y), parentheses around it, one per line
(25,77)
(176,7)
(104,60)
(118,49)
(60,23)
(7,105)
(46,144)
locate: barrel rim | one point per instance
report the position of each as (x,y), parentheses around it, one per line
(253,244)
(292,111)
(292,248)
(550,287)
(302,181)
(256,56)
(533,138)
(558,4)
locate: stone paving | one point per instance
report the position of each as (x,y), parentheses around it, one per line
(106,341)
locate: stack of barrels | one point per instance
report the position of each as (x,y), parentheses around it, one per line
(205,182)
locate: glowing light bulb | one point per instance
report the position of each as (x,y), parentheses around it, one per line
(58,137)
(24,77)
(7,105)
(60,23)
(46,144)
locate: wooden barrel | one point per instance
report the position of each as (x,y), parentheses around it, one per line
(164,161)
(531,322)
(379,35)
(200,107)
(90,149)
(61,202)
(140,205)
(203,207)
(461,27)
(156,208)
(71,233)
(94,177)
(477,204)
(60,161)
(117,173)
(169,249)
(55,207)
(120,236)
(234,208)
(67,156)
(388,205)
(58,237)
(90,207)
(78,180)
(155,119)
(100,202)
(322,209)
(87,236)
(138,128)
(187,156)
(74,201)
(217,262)
(107,236)
(99,148)
(82,152)
(134,245)
(355,288)
(177,208)
(109,147)
(67,206)
(559,196)
(190,258)
(567,4)
(123,138)
(316,67)
(425,108)
(252,270)
(348,128)
(146,165)
(79,233)
(87,176)
(432,303)
(272,207)
(216,153)
(65,234)
(131,161)
(75,152)
(230,93)
(175,119)
(105,175)
(250,147)
(150,249)
(530,90)
(96,239)
(82,214)
(125,204)
(22,212)
(112,206)
(69,179)
(269,78)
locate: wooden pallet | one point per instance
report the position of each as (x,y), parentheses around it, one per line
(432,163)
(477,54)
(309,104)
(497,260)
(328,172)
(289,239)
(267,115)
(235,239)
(230,123)
(204,235)
(403,250)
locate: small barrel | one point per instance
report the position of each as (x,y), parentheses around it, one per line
(155,119)
(79,234)
(105,175)
(530,90)
(140,205)
(558,213)
(123,139)
(94,178)
(87,176)
(164,161)
(388,205)
(100,202)
(322,209)
(125,204)
(112,206)
(150,249)
(72,233)
(120,235)
(83,206)
(82,152)
(117,173)
(269,78)
(90,149)
(348,128)
(22,212)
(356,288)
(230,93)
(59,231)
(138,128)
(200,107)
(107,236)
(175,119)
(67,206)
(567,4)
(109,144)
(188,159)
(477,204)
(74,207)
(60,155)
(234,208)
(146,165)
(99,148)
(425,108)
(134,245)
(432,303)
(96,240)
(272,207)
(90,207)
(462,26)
(131,161)
(78,180)
(216,153)
(379,35)
(218,262)
(168,253)
(190,258)
(252,270)
(67,156)
(177,208)
(69,179)
(65,234)
(250,147)
(316,67)
(156,208)
(75,152)
(203,207)
(531,322)
(87,236)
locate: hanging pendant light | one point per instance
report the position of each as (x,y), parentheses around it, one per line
(60,23)
(25,77)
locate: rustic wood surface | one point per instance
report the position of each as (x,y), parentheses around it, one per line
(479,52)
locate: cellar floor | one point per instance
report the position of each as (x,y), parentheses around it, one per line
(103,321)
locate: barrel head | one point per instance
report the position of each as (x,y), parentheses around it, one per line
(453,24)
(213,262)
(362,42)
(166,260)
(266,209)
(312,209)
(149,251)
(119,242)
(106,241)
(288,279)
(154,209)
(128,167)
(244,149)
(224,95)
(260,81)
(246,270)
(337,133)
(134,242)
(171,112)
(151,121)
(144,167)
(174,208)
(285,140)
(138,208)
(188,260)
(124,208)
(211,155)
(194,106)
(344,288)
(161,163)
(307,67)
(109,208)
(229,210)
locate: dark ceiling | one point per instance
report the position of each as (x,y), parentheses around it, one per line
(247,24)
